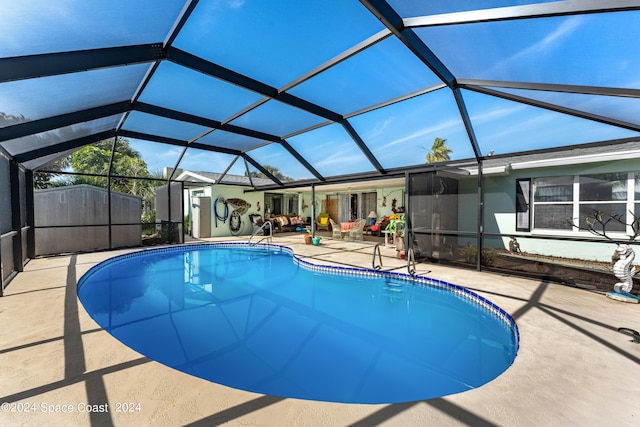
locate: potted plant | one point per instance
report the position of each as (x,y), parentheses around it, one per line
(396,229)
(307,236)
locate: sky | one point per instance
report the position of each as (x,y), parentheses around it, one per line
(275,45)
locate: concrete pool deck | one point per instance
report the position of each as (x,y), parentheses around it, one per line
(573,368)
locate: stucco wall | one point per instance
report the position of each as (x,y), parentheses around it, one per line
(500,205)
(222,229)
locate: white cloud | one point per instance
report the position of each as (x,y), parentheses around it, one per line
(546,44)
(497,113)
(379,128)
(440,127)
(339,158)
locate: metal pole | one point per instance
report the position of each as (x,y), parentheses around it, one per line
(113,153)
(313,210)
(14,185)
(480,217)
(408,242)
(182,207)
(30,213)
(169,212)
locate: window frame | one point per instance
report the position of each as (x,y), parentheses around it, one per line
(632,204)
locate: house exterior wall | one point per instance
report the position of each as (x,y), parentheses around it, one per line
(221,229)
(390,193)
(500,213)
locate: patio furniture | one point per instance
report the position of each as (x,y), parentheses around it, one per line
(322,222)
(386,239)
(284,223)
(337,234)
(355,232)
(346,226)
(379,226)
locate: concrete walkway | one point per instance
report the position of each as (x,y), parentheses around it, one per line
(57,365)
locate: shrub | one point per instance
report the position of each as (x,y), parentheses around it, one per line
(470,254)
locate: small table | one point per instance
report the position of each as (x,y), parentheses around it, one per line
(386,239)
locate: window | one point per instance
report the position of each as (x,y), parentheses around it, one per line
(606,193)
(367,203)
(557,201)
(523,195)
(281,204)
(553,203)
(636,194)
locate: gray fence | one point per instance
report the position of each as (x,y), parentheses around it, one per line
(76,219)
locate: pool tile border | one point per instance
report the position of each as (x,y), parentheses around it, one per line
(459,291)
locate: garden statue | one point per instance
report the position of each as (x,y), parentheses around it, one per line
(624,270)
(623,256)
(514,246)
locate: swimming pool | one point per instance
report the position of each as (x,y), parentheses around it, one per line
(261,319)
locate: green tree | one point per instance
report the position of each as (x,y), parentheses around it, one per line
(127,164)
(52,176)
(439,151)
(273,171)
(9,119)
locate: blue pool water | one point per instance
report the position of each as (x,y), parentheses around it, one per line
(259,319)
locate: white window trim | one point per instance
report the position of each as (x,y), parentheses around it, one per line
(576,232)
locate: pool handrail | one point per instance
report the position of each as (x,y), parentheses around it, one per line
(376,248)
(411,262)
(269,237)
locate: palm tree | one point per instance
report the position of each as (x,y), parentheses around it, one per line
(439,151)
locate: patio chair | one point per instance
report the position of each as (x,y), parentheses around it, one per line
(355,233)
(322,222)
(336,233)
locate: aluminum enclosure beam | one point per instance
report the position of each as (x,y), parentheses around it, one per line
(195,63)
(361,144)
(394,22)
(462,108)
(185,13)
(50,123)
(261,169)
(63,146)
(551,87)
(176,142)
(539,10)
(50,64)
(558,109)
(302,160)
